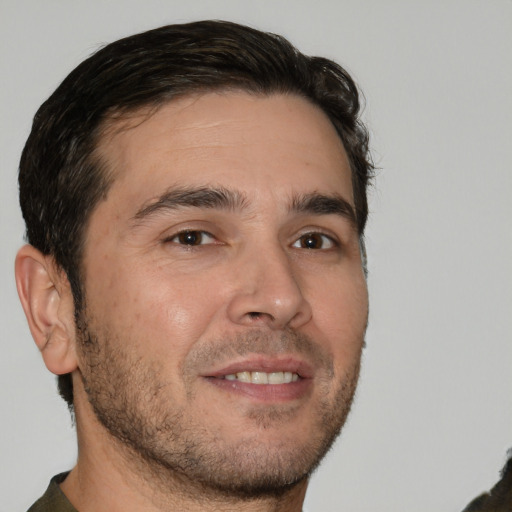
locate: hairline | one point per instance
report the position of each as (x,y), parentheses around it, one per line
(118,120)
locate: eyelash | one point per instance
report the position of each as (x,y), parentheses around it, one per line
(318,235)
(192,233)
(197,235)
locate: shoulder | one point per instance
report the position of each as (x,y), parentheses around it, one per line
(53,500)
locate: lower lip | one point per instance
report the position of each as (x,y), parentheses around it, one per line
(265,392)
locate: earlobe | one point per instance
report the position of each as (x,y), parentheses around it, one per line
(46,298)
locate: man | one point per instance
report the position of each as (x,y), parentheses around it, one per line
(195,202)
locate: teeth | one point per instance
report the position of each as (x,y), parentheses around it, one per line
(264,378)
(276,378)
(259,378)
(244,376)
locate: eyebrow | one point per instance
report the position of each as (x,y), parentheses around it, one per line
(324,204)
(221,198)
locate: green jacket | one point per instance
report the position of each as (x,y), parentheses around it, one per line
(53,500)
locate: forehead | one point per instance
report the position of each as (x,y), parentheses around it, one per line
(258,144)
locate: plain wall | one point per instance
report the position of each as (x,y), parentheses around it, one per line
(433,414)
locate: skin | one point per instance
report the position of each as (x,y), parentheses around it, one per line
(272,284)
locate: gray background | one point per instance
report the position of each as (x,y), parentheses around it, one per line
(433,414)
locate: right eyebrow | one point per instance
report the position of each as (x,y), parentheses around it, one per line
(193,197)
(325,204)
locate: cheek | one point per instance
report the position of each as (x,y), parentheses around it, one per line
(341,314)
(152,307)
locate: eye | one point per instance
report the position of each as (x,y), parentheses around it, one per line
(315,241)
(192,238)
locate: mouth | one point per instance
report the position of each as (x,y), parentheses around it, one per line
(263,377)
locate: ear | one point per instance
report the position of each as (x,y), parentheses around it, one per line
(47,300)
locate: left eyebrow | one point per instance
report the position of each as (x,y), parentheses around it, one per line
(191,197)
(322,204)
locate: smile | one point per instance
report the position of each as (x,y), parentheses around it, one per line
(265,380)
(263,377)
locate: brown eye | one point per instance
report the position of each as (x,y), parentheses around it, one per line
(192,238)
(314,241)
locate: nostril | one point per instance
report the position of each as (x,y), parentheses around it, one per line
(259,315)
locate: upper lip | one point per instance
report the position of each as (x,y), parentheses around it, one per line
(267,364)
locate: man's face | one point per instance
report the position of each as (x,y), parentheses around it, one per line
(225,298)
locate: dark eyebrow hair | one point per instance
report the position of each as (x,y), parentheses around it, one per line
(202,197)
(322,204)
(227,199)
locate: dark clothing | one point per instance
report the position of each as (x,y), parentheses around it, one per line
(499,498)
(53,500)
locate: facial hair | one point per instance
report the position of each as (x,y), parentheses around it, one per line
(135,404)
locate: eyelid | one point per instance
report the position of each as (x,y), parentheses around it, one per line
(334,242)
(172,237)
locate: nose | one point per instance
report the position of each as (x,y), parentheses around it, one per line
(268,292)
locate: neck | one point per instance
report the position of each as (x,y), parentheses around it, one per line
(93,487)
(109,476)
